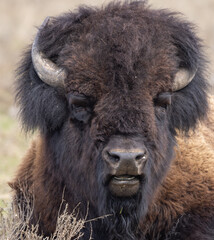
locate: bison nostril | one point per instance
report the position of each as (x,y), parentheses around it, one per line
(141,157)
(113,157)
(120,155)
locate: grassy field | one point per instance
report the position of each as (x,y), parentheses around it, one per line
(13,144)
(20,18)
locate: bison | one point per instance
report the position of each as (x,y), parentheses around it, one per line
(119,97)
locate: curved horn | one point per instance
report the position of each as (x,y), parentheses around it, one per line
(48,71)
(182,78)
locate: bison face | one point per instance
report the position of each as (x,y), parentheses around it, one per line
(124,151)
(125,147)
(124,156)
(108,90)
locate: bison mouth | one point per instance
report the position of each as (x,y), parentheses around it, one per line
(124,185)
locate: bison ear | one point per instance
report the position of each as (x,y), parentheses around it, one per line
(189,103)
(41,106)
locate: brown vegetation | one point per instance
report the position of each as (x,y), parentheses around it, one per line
(15,225)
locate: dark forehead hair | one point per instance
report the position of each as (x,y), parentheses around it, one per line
(116,43)
(118,48)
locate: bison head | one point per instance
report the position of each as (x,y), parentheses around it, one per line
(108,89)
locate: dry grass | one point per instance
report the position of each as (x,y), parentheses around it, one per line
(16,225)
(15,220)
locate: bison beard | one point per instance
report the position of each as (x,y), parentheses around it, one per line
(123,224)
(111,91)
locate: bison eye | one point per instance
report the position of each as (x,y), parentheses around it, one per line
(80,107)
(163,100)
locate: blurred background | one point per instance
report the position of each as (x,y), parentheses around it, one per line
(18,20)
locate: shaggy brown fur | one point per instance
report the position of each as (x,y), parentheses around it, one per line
(122,60)
(188,187)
